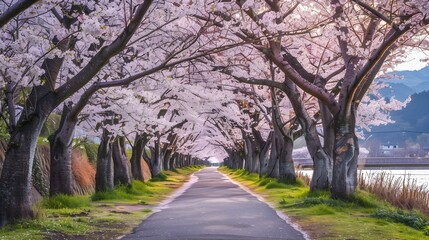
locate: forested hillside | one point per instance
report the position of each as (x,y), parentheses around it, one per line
(410,122)
(405,83)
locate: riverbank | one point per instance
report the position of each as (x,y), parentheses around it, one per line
(99,216)
(363,217)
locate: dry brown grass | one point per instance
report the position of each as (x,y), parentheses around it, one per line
(403,192)
(83,171)
(146,170)
(304,178)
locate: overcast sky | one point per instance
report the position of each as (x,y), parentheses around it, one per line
(414,62)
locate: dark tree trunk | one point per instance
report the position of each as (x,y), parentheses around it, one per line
(321,160)
(136,156)
(236,161)
(15,181)
(187,161)
(166,152)
(286,164)
(61,176)
(346,152)
(173,161)
(282,145)
(251,153)
(264,153)
(328,138)
(121,168)
(320,179)
(167,159)
(182,160)
(281,150)
(155,161)
(104,174)
(178,161)
(273,163)
(267,163)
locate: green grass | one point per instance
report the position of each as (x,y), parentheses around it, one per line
(149,192)
(160,177)
(412,219)
(108,214)
(37,229)
(64,201)
(362,216)
(127,193)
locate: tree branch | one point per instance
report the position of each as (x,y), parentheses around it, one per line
(103,56)
(14,10)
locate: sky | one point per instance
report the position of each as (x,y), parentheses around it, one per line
(214,159)
(413,61)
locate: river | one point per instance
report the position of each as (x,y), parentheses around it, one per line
(421,176)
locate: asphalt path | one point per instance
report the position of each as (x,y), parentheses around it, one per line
(215,208)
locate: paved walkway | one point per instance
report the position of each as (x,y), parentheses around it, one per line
(215,208)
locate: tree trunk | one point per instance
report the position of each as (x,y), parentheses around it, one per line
(173,161)
(286,164)
(346,152)
(273,163)
(167,159)
(281,150)
(104,174)
(178,161)
(156,166)
(121,168)
(136,156)
(61,176)
(321,160)
(320,179)
(15,181)
(251,153)
(264,151)
(282,145)
(235,158)
(328,138)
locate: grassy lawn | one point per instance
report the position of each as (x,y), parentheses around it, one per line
(106,215)
(362,217)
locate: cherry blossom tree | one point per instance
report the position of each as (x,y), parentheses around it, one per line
(41,70)
(321,44)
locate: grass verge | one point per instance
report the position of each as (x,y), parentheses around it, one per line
(106,215)
(363,216)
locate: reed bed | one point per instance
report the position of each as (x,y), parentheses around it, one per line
(402,192)
(303,177)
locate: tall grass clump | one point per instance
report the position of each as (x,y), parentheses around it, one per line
(412,219)
(160,177)
(303,177)
(402,192)
(66,201)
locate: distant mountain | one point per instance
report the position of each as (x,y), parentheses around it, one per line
(410,122)
(405,83)
(424,86)
(398,90)
(412,79)
(416,114)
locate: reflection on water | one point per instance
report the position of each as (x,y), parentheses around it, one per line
(420,175)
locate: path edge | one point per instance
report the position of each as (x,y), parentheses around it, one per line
(279,213)
(164,204)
